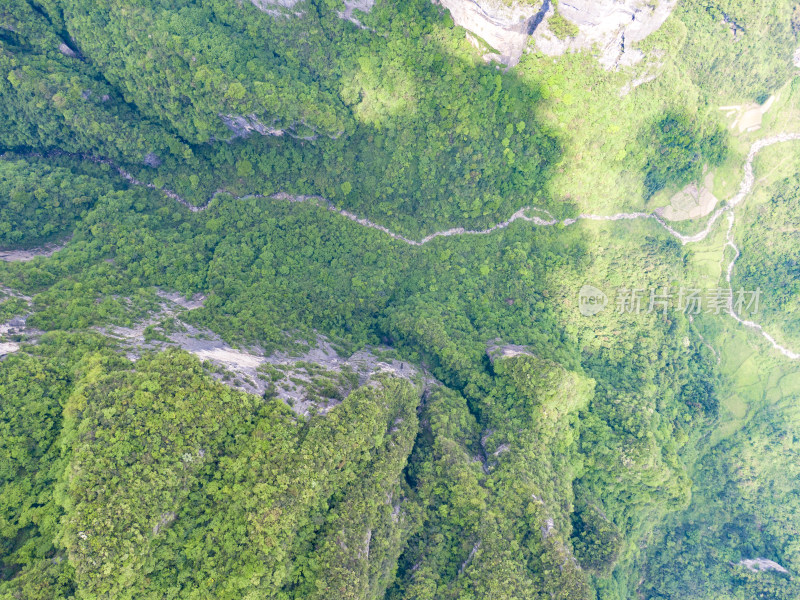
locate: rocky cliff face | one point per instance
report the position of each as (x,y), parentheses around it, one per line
(350,5)
(286,8)
(506,28)
(242,126)
(611,25)
(278,8)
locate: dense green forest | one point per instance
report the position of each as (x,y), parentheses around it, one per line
(740,510)
(520,450)
(771,258)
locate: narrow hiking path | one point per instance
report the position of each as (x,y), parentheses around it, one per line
(745,187)
(751,324)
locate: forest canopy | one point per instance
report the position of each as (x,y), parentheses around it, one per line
(289,304)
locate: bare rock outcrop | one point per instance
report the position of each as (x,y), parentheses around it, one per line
(315,380)
(244,125)
(27,254)
(612,26)
(241,126)
(762,564)
(267,4)
(350,5)
(506,28)
(278,8)
(67,51)
(286,8)
(497,351)
(152,160)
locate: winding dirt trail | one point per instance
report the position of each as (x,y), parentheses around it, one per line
(745,188)
(751,324)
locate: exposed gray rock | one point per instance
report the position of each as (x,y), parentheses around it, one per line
(610,25)
(350,5)
(502,448)
(297,379)
(548,527)
(301,380)
(496,351)
(505,28)
(15,325)
(762,564)
(267,4)
(66,50)
(8,348)
(31,253)
(164,520)
(362,5)
(195,302)
(472,552)
(15,330)
(152,160)
(278,8)
(244,125)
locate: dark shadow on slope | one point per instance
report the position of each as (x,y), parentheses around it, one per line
(441,140)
